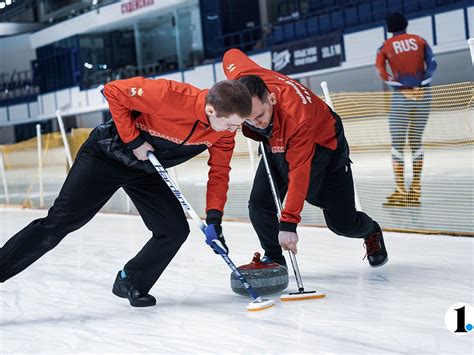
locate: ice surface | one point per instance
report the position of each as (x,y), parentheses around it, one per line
(63,303)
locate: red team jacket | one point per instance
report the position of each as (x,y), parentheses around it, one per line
(300,121)
(406,55)
(173,120)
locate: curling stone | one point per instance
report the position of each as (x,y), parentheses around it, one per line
(265,278)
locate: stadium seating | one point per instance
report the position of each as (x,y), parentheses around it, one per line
(312,25)
(325,23)
(337,20)
(427,4)
(364,11)
(350,16)
(394,5)
(300,29)
(410,6)
(332,15)
(379,10)
(289,31)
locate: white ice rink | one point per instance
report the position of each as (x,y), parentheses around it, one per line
(63,303)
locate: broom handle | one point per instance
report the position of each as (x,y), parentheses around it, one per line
(276,198)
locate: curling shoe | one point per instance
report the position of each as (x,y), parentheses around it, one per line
(375,249)
(397,199)
(279,260)
(414,194)
(124,289)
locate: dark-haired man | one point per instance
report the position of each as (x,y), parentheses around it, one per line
(309,159)
(175,120)
(412,64)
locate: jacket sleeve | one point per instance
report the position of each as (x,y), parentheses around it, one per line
(299,155)
(220,155)
(236,63)
(135,94)
(431,64)
(380,64)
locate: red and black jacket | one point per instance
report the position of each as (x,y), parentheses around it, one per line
(301,122)
(170,116)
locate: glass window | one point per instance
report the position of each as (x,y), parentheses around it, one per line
(190,37)
(158,40)
(57,65)
(157,43)
(106,56)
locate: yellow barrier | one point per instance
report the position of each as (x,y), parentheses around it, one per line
(440,186)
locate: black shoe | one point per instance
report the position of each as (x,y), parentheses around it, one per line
(279,260)
(124,289)
(376,252)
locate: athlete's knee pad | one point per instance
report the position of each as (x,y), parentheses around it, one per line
(397,155)
(417,154)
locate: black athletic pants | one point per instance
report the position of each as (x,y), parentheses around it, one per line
(91,182)
(333,191)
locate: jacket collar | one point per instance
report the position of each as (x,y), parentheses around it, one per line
(199,107)
(398,33)
(249,133)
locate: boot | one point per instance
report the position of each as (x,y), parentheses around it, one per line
(413,197)
(397,199)
(375,249)
(124,289)
(415,190)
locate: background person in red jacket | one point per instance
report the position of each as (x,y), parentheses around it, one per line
(175,120)
(412,64)
(309,160)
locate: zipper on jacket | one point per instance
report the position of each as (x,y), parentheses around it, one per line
(190,133)
(169,150)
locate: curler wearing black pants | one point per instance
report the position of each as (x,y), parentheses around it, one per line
(93,179)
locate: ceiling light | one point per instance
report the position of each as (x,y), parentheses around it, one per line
(2,5)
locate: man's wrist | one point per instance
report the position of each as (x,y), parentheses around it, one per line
(137,142)
(214,217)
(288,227)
